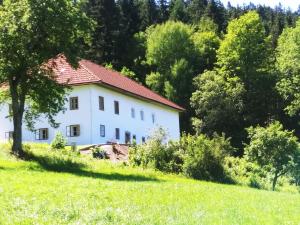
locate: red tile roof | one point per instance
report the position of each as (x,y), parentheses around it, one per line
(91,73)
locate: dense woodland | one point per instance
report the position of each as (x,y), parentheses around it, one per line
(216,61)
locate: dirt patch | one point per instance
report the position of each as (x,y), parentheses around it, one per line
(114,152)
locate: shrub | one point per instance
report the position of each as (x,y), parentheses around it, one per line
(59,141)
(99,153)
(157,154)
(243,172)
(204,157)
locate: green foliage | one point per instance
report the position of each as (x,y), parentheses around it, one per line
(206,43)
(195,156)
(243,172)
(245,50)
(240,90)
(157,154)
(288,63)
(218,103)
(99,153)
(273,147)
(59,142)
(176,53)
(32,33)
(178,10)
(206,24)
(168,43)
(128,73)
(204,157)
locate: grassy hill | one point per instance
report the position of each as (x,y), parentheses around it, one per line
(93,192)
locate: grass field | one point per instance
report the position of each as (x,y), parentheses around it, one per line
(91,192)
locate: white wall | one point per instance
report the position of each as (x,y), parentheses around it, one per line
(89,117)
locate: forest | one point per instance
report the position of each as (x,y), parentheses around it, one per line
(230,67)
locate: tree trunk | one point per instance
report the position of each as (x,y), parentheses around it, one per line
(17,110)
(17,136)
(274,181)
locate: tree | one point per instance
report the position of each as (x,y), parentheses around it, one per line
(216,11)
(207,44)
(148,13)
(196,9)
(106,36)
(178,11)
(31,33)
(218,103)
(273,147)
(288,64)
(172,57)
(246,52)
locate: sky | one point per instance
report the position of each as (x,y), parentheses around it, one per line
(293,4)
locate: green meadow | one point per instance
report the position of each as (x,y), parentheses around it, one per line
(66,188)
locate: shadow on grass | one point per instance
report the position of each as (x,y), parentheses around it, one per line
(57,164)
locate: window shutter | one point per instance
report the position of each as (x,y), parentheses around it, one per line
(47,133)
(78,127)
(37,134)
(68,131)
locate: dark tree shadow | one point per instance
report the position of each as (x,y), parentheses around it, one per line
(57,164)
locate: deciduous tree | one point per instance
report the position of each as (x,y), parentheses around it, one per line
(273,147)
(31,33)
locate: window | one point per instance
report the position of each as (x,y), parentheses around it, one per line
(142,115)
(73,131)
(132,113)
(118,133)
(74,103)
(101,103)
(9,135)
(153,118)
(41,134)
(143,140)
(116,103)
(127,137)
(102,130)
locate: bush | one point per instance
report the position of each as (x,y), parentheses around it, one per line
(157,154)
(99,153)
(204,157)
(59,141)
(243,172)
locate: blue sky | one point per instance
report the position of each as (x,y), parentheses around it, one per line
(293,4)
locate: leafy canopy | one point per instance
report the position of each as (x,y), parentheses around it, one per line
(273,147)
(31,33)
(288,64)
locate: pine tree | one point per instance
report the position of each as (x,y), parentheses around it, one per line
(106,35)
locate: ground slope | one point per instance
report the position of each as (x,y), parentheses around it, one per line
(102,193)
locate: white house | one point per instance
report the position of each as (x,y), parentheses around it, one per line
(103,106)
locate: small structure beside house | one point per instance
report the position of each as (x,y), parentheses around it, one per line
(103,107)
